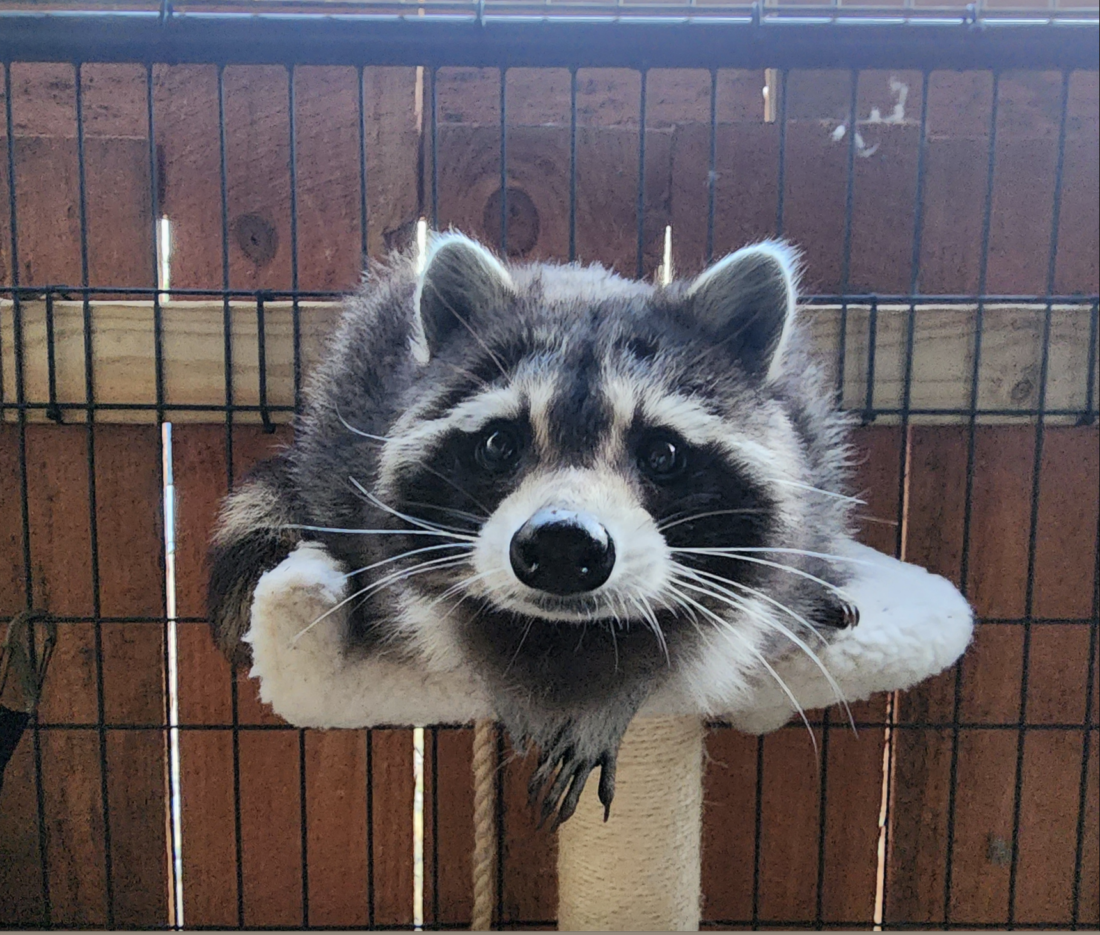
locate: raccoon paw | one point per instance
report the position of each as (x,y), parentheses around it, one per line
(301,591)
(837,613)
(561,775)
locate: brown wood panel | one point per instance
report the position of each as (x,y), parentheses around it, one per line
(1048,827)
(336,819)
(956,170)
(1065,557)
(530,856)
(1078,248)
(393,789)
(790,820)
(448,857)
(257,160)
(186,129)
(1023,189)
(271,823)
(1089,895)
(729,797)
(326,123)
(21,902)
(130,578)
(921,757)
(884,182)
(130,536)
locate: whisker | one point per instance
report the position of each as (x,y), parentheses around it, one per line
(733,601)
(376,532)
(396,558)
(473,517)
(727,633)
(826,493)
(733,554)
(687,519)
(355,431)
(446,561)
(415,520)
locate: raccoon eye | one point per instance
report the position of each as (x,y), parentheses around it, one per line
(497,449)
(662,457)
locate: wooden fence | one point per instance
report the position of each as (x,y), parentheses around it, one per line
(989,810)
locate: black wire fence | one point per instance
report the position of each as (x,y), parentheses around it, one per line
(956,237)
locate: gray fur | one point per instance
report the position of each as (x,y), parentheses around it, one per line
(412,351)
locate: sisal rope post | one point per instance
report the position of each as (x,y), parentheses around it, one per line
(485,821)
(641,871)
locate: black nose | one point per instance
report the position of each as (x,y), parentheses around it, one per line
(562,552)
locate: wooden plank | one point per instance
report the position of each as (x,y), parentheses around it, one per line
(790,820)
(194,356)
(530,856)
(448,854)
(326,123)
(921,756)
(130,536)
(336,819)
(392,784)
(729,796)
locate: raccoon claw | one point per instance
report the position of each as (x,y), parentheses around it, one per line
(840,613)
(560,779)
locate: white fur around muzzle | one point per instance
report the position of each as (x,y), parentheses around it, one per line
(913,625)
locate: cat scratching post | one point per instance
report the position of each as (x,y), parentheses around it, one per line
(640,871)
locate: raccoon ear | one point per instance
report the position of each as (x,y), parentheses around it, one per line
(747,301)
(460,281)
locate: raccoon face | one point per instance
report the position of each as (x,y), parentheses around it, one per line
(603,463)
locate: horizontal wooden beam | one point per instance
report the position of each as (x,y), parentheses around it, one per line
(194,373)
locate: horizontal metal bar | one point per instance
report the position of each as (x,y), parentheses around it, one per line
(753,40)
(69,292)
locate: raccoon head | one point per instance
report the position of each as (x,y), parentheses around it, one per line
(608,488)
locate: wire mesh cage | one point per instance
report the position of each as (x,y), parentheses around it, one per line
(186,193)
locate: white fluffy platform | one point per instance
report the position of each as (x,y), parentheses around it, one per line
(912,625)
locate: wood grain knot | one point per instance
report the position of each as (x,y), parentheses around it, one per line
(523,221)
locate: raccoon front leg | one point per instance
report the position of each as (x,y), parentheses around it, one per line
(254,534)
(571,749)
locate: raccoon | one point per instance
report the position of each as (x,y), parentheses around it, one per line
(589,491)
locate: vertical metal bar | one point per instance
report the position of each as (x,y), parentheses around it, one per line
(757,832)
(295,310)
(503,162)
(1086,740)
(572,164)
(1089,415)
(261,360)
(158,369)
(907,395)
(640,270)
(1036,480)
(846,256)
(24,493)
(781,176)
(53,411)
(872,341)
(303,800)
(826,719)
(154,206)
(435,149)
(93,523)
(227,328)
(363,238)
(712,173)
(968,505)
